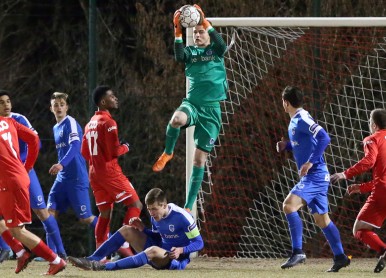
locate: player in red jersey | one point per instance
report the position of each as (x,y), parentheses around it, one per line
(373,213)
(14,193)
(101,148)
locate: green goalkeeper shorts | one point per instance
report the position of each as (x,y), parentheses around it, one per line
(207,121)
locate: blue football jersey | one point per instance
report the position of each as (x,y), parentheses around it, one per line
(302,131)
(177,228)
(65,132)
(23,148)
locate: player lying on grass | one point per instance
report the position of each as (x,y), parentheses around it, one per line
(174,235)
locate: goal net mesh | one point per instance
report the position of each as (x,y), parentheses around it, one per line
(342,72)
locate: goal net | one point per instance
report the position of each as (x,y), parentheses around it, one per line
(342,72)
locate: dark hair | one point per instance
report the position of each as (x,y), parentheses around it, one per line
(59,95)
(379,117)
(99,92)
(4,93)
(293,95)
(155,195)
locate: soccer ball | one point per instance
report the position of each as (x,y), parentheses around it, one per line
(189,16)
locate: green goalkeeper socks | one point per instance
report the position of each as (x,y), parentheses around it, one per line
(171,138)
(194,186)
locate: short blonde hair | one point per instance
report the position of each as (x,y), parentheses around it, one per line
(59,95)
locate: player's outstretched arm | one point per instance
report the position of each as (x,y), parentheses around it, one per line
(337,176)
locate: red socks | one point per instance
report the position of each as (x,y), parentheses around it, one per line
(371,239)
(15,245)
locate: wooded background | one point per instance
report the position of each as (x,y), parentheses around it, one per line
(44,48)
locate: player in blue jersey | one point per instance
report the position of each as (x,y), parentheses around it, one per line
(174,235)
(71,186)
(37,201)
(307,141)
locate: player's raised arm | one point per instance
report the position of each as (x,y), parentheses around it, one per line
(219,44)
(179,53)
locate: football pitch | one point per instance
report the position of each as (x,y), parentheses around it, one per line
(212,267)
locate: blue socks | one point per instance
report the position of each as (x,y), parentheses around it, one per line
(3,244)
(295,225)
(130,262)
(332,235)
(110,245)
(54,240)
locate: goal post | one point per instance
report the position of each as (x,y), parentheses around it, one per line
(340,64)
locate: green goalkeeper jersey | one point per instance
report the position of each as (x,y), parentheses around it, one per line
(205,69)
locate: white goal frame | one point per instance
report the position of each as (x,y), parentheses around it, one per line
(271,22)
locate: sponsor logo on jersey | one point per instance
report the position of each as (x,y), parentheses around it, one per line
(368,142)
(207,58)
(170,236)
(92,124)
(120,195)
(61,145)
(111,128)
(3,125)
(171,228)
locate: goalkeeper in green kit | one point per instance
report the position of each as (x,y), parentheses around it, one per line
(205,69)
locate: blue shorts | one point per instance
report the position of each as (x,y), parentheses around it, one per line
(175,264)
(65,194)
(313,189)
(35,192)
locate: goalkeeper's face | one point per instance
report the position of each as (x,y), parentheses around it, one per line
(201,36)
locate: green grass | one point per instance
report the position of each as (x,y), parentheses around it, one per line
(212,267)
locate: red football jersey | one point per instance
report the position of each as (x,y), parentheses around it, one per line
(13,172)
(100,145)
(375,159)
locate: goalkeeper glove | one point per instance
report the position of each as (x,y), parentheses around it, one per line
(177,24)
(203,21)
(123,142)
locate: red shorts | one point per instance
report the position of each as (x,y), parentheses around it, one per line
(113,190)
(15,207)
(373,212)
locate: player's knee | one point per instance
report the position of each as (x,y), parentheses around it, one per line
(177,121)
(287,208)
(86,221)
(152,252)
(42,214)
